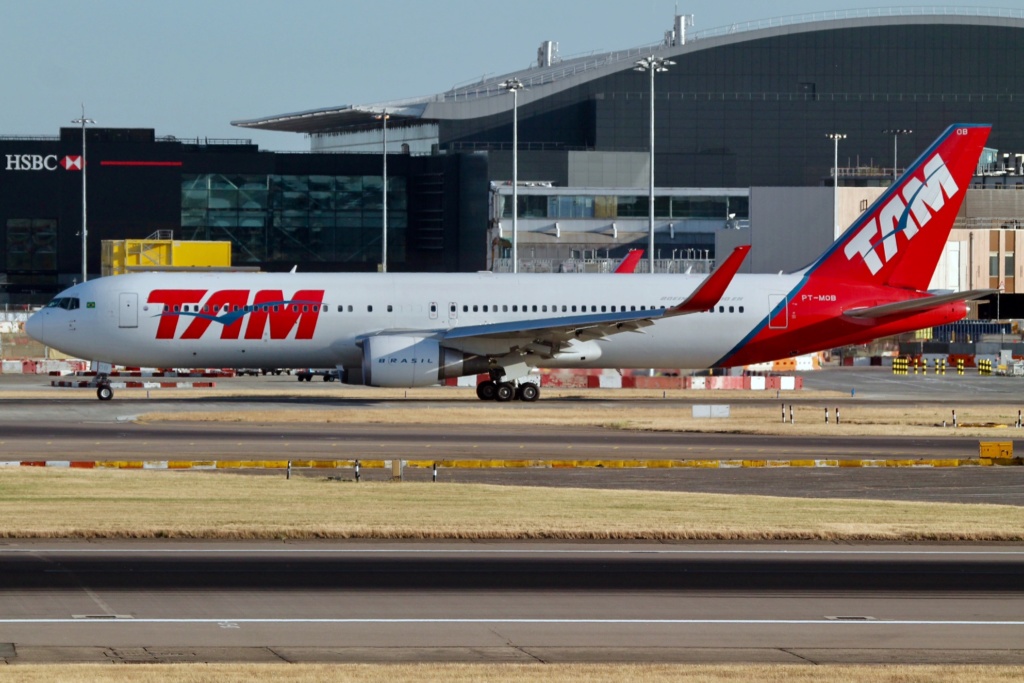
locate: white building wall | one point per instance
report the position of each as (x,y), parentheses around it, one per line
(420,139)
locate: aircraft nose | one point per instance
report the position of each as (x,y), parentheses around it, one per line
(34,326)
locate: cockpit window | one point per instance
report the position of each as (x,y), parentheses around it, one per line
(68,303)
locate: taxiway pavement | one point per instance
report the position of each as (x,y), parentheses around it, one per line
(799,603)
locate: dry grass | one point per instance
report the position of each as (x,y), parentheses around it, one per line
(761,418)
(495,673)
(48,503)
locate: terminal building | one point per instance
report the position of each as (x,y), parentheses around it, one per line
(741,155)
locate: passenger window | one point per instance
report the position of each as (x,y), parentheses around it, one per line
(340,309)
(476,308)
(721,309)
(465,308)
(350,308)
(485,308)
(535,308)
(563,308)
(741,309)
(504,308)
(390,308)
(515,308)
(544,308)
(604,309)
(369,309)
(574,308)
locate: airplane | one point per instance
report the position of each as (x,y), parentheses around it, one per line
(419,329)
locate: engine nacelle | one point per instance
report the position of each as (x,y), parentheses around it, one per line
(402,361)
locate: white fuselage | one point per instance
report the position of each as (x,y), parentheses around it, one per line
(118,319)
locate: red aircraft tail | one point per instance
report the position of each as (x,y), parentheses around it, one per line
(899,239)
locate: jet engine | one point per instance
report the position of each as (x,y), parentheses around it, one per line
(403,361)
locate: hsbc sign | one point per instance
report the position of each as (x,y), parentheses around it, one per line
(42,162)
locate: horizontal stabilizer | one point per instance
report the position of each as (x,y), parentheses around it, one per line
(916,305)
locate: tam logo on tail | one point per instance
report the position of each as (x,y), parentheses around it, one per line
(899,240)
(919,198)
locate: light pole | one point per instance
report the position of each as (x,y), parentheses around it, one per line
(383,118)
(652,65)
(85,224)
(895,133)
(835,137)
(514,85)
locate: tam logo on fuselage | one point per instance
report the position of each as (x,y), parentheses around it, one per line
(919,198)
(231,308)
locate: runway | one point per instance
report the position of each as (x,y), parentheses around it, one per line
(510,602)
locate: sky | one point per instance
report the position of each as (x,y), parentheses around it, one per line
(189,67)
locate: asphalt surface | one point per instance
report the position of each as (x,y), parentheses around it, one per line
(510,602)
(153,601)
(181,441)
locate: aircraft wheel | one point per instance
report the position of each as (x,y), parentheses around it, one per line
(104,393)
(504,392)
(529,392)
(486,391)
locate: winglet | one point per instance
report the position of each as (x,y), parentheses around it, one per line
(712,289)
(628,264)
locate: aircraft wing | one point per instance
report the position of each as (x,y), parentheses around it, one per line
(586,326)
(917,305)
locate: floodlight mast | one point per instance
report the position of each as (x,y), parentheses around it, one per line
(652,65)
(895,133)
(514,85)
(85,225)
(383,118)
(835,137)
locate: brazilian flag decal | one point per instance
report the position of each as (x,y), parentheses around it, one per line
(90,304)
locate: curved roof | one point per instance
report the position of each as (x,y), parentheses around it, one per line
(483,98)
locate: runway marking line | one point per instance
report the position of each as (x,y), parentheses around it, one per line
(579,622)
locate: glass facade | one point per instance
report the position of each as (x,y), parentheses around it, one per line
(626,206)
(296,217)
(753,111)
(31,244)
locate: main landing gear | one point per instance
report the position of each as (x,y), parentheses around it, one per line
(502,392)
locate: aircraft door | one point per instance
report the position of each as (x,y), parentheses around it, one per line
(453,311)
(433,310)
(780,320)
(128,309)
